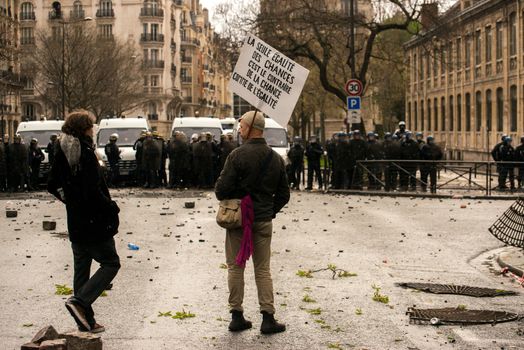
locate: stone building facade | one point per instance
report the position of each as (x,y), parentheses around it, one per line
(175,38)
(11,82)
(466,79)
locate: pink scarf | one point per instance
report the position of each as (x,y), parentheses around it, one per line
(248,217)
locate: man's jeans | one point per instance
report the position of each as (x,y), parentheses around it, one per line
(87,290)
(262,232)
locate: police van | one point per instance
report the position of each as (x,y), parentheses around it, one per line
(228,124)
(42,130)
(197,125)
(128,130)
(275,135)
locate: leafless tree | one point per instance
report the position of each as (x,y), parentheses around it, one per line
(99,74)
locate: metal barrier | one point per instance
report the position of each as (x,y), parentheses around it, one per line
(408,174)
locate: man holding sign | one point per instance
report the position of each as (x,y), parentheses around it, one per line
(256,175)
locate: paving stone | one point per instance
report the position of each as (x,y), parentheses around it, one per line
(82,341)
(57,344)
(46,333)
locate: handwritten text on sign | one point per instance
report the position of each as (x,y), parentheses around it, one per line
(268,79)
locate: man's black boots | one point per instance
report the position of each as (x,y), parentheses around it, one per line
(270,325)
(238,322)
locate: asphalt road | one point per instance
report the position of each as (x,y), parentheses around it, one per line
(178,267)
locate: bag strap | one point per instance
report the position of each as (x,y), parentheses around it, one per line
(265,166)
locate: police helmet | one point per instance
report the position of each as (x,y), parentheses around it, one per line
(356,132)
(408,134)
(504,137)
(419,134)
(371,134)
(113,136)
(194,136)
(394,137)
(430,138)
(402,123)
(34,140)
(387,134)
(508,139)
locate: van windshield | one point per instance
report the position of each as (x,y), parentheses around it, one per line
(275,137)
(190,130)
(126,136)
(228,126)
(43,136)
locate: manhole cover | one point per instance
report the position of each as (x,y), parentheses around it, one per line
(453,289)
(509,228)
(459,315)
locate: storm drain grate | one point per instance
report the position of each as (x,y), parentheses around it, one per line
(459,315)
(509,228)
(454,289)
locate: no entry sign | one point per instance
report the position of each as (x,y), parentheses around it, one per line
(354,87)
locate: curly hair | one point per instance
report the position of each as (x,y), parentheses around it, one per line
(77,123)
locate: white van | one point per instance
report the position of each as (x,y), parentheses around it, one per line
(128,130)
(228,124)
(42,131)
(275,135)
(193,125)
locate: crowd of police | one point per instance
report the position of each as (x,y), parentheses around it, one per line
(195,162)
(508,158)
(346,149)
(20,163)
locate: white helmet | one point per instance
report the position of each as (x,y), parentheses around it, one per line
(113,136)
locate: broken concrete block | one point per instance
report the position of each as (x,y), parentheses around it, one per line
(189,205)
(82,341)
(57,344)
(11,213)
(30,346)
(46,333)
(49,225)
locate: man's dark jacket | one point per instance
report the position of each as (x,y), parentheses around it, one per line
(91,214)
(240,175)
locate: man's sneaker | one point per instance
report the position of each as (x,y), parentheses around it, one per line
(238,322)
(270,325)
(98,328)
(78,314)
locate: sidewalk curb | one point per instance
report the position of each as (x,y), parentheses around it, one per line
(512,269)
(419,195)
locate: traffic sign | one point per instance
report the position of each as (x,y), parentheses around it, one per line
(355,117)
(353,103)
(354,87)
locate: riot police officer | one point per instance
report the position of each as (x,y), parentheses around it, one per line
(357,151)
(507,155)
(391,153)
(519,157)
(35,158)
(314,152)
(113,157)
(375,151)
(18,164)
(401,131)
(296,157)
(409,150)
(430,151)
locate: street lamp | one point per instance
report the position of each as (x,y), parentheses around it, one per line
(64,23)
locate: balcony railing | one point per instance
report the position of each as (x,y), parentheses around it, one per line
(105,13)
(77,14)
(53,15)
(189,41)
(153,37)
(153,64)
(152,116)
(151,12)
(27,16)
(187,59)
(173,45)
(186,80)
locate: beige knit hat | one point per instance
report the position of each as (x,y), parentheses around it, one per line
(259,122)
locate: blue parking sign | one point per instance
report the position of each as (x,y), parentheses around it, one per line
(353,103)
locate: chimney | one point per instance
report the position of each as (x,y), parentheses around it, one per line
(429,14)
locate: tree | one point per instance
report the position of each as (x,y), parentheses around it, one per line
(101,75)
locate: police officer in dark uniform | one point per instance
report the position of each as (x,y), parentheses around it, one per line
(224,149)
(139,156)
(375,151)
(430,151)
(507,154)
(409,150)
(401,131)
(113,157)
(203,161)
(519,157)
(178,152)
(314,152)
(357,151)
(162,173)
(50,149)
(495,153)
(296,157)
(35,158)
(341,160)
(151,160)
(18,164)
(391,152)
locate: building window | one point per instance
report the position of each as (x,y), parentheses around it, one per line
(513,34)
(435,63)
(478,48)
(489,111)
(478,110)
(435,114)
(78,11)
(27,35)
(450,56)
(443,60)
(499,41)
(422,115)
(467,57)
(459,112)
(421,67)
(416,115)
(415,78)
(489,42)
(443,114)
(155,80)
(427,66)
(429,114)
(459,53)
(468,112)
(513,107)
(106,6)
(105,30)
(451,114)
(27,11)
(500,109)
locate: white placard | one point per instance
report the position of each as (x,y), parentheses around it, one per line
(267,79)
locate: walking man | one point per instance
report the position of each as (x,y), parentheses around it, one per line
(253,169)
(92,217)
